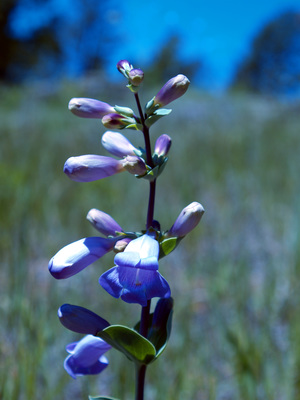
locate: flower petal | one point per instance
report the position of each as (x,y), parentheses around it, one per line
(134,285)
(86,356)
(103,222)
(89,108)
(90,167)
(117,144)
(81,320)
(76,256)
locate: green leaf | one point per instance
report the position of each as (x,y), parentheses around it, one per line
(137,348)
(161,326)
(167,246)
(156,116)
(102,398)
(128,112)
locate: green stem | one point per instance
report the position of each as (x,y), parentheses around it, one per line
(145,313)
(140,381)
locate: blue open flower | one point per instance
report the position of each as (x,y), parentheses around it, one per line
(135,278)
(86,356)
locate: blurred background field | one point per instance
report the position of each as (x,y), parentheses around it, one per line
(235,279)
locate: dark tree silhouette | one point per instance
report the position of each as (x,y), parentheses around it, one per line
(168,63)
(273,65)
(62,41)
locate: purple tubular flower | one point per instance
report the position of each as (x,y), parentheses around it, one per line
(162,145)
(86,356)
(76,256)
(81,320)
(172,90)
(187,220)
(91,167)
(117,144)
(89,108)
(136,278)
(135,76)
(103,222)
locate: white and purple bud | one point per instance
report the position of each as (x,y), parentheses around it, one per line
(117,121)
(172,90)
(135,76)
(90,167)
(124,67)
(117,144)
(103,222)
(135,165)
(162,145)
(89,108)
(187,220)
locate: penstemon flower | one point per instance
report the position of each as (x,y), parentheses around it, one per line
(187,220)
(172,90)
(135,276)
(118,145)
(92,167)
(89,108)
(78,255)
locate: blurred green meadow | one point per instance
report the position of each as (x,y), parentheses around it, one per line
(235,279)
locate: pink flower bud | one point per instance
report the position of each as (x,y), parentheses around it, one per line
(89,108)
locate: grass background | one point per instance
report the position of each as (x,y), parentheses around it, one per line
(235,279)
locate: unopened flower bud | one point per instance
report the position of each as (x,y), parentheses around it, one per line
(90,167)
(117,144)
(187,220)
(135,76)
(172,90)
(124,67)
(162,145)
(103,222)
(89,108)
(116,121)
(135,165)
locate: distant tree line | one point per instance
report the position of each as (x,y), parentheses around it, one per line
(63,41)
(273,64)
(47,37)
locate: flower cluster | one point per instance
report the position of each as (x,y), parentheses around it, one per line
(135,276)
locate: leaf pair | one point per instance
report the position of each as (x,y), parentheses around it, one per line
(137,348)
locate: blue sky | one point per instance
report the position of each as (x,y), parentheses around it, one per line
(217,31)
(220,31)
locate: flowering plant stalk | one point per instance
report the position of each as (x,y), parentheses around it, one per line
(135,277)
